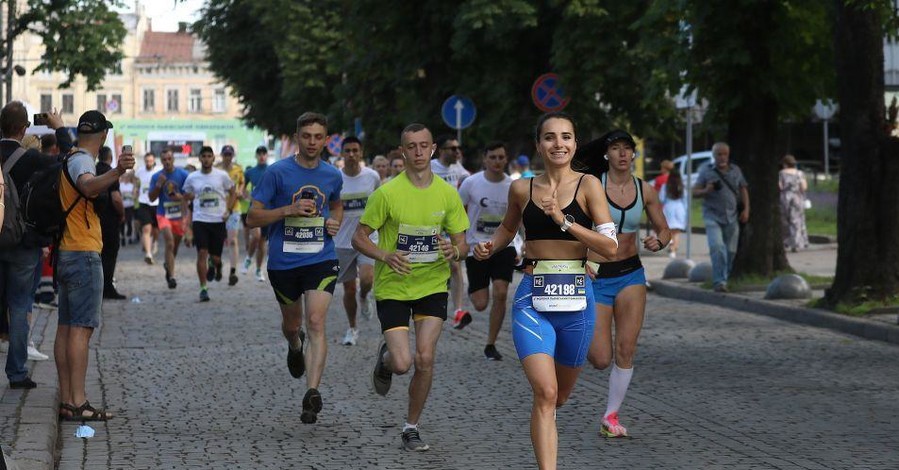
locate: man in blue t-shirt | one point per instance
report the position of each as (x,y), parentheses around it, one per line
(299,199)
(254,238)
(165,186)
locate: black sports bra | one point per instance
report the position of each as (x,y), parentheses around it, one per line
(539,226)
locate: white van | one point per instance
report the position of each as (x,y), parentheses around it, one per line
(697,160)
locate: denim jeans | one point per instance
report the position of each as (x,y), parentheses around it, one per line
(80,275)
(17,280)
(723,240)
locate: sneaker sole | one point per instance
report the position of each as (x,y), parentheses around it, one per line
(464,322)
(310,413)
(418,449)
(610,435)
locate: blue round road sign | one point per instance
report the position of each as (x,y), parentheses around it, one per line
(458,112)
(548,94)
(335,142)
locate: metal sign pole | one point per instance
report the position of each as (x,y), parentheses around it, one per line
(826,152)
(689,177)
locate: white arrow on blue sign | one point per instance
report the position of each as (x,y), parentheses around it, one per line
(458,112)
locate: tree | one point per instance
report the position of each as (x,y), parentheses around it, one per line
(80,37)
(868,206)
(757,62)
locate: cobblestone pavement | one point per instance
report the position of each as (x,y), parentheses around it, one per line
(206,386)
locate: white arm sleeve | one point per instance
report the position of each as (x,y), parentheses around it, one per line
(607,229)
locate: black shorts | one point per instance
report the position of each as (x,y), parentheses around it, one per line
(499,266)
(146,214)
(396,313)
(210,236)
(263,230)
(290,284)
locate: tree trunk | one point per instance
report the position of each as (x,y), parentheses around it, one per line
(868,205)
(752,136)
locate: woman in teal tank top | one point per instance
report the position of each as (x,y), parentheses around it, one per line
(619,285)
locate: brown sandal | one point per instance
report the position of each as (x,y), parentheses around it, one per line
(66,411)
(78,414)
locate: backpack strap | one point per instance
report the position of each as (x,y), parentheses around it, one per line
(14,158)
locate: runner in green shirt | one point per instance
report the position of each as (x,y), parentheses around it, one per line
(412,268)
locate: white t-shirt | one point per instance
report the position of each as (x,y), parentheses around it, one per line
(144,175)
(453,174)
(210,192)
(486,202)
(127,190)
(354,197)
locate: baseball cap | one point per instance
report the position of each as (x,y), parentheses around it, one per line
(616,135)
(523,160)
(93,122)
(262,149)
(227,150)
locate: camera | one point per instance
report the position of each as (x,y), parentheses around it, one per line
(40,119)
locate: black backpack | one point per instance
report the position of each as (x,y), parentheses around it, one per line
(41,204)
(13,222)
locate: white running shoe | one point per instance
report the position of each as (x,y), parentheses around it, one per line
(246,265)
(349,339)
(34,354)
(259,276)
(368,307)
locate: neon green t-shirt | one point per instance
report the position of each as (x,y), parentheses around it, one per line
(412,219)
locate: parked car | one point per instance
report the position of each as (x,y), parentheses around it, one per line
(697,160)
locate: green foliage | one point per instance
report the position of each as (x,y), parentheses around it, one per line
(81,37)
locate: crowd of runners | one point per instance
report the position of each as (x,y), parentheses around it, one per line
(396,236)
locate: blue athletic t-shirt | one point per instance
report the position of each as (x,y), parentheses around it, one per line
(173,184)
(254,174)
(298,241)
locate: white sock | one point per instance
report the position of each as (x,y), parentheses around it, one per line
(408,427)
(619,380)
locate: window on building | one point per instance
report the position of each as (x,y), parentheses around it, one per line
(149,100)
(101,102)
(195,104)
(46,102)
(68,103)
(219,100)
(172,101)
(115,105)
(116,68)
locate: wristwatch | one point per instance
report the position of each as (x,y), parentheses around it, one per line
(567,223)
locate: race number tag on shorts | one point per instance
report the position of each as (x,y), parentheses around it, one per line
(420,243)
(172,209)
(304,234)
(488,223)
(559,286)
(209,201)
(354,204)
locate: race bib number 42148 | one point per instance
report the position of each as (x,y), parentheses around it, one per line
(420,243)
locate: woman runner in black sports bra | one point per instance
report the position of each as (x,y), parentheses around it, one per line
(553,313)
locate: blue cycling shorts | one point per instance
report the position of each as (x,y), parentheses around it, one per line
(564,336)
(605,289)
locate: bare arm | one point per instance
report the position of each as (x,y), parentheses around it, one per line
(91,186)
(259,216)
(744,195)
(506,231)
(657,219)
(598,208)
(397,261)
(333,223)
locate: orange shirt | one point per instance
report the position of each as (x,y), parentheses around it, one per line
(82,232)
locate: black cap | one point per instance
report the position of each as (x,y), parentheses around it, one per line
(616,135)
(262,149)
(227,150)
(93,122)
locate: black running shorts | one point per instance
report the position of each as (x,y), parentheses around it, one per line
(210,236)
(396,313)
(290,284)
(498,267)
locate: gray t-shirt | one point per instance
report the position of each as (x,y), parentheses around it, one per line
(80,164)
(721,205)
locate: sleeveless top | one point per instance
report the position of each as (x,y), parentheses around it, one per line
(627,219)
(539,226)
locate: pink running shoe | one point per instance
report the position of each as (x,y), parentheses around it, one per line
(461,319)
(611,428)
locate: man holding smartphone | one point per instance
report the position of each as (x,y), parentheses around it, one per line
(299,199)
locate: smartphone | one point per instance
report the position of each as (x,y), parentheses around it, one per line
(40,119)
(126,149)
(307,194)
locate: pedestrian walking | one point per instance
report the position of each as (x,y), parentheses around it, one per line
(299,199)
(673,197)
(553,312)
(410,213)
(111,210)
(619,281)
(793,187)
(725,205)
